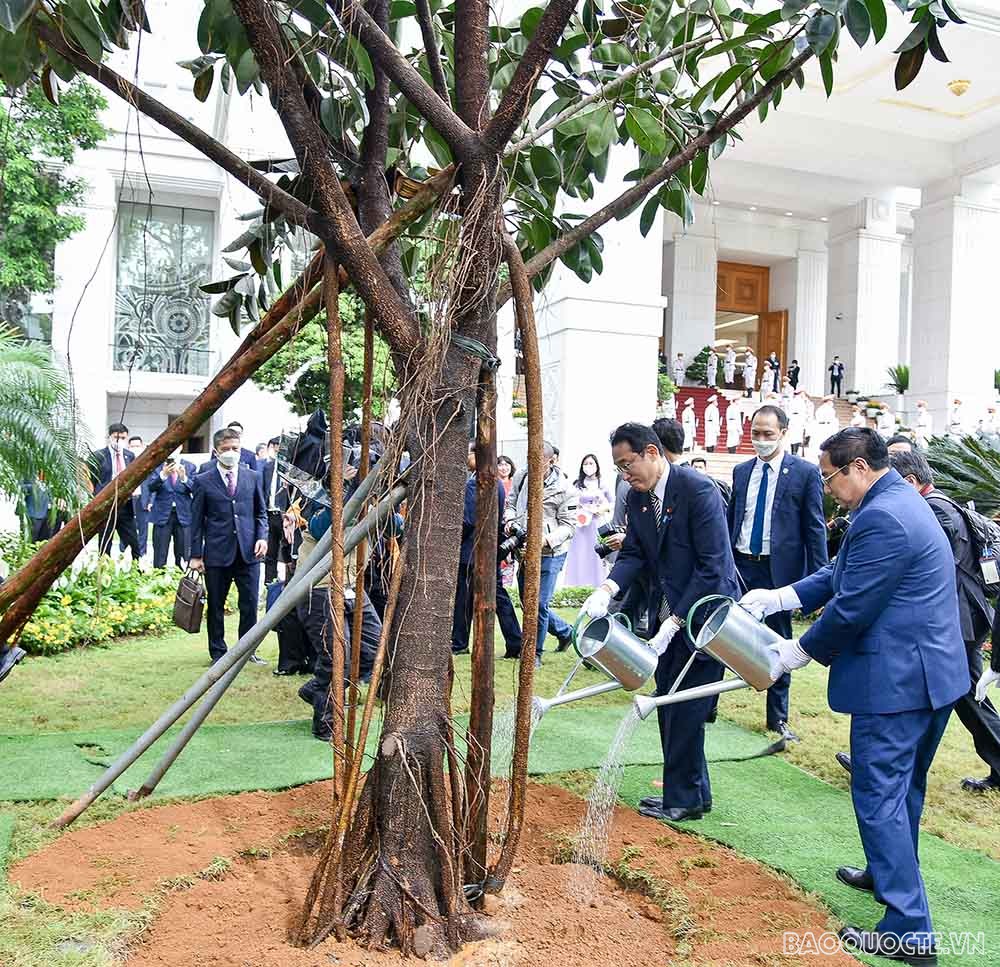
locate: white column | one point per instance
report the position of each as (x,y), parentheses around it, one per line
(955,343)
(799,285)
(689,285)
(863,293)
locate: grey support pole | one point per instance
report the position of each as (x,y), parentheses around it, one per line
(243,649)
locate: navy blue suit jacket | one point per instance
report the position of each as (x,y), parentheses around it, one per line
(166,495)
(798,525)
(469,517)
(690,557)
(222,526)
(889,629)
(101,466)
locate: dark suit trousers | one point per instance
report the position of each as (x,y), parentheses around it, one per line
(275,535)
(756,575)
(141,526)
(122,522)
(314,613)
(835,382)
(163,534)
(982,720)
(682,728)
(218,580)
(40,529)
(461,623)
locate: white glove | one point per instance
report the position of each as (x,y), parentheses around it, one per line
(596,606)
(658,643)
(763,602)
(791,655)
(989,677)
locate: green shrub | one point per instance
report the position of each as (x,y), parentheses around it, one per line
(94,602)
(571,597)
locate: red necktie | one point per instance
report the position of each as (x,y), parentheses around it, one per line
(230,485)
(119,462)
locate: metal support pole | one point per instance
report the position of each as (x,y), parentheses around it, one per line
(242,649)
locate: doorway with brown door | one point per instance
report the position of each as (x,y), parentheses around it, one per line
(744,321)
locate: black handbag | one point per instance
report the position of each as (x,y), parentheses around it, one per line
(189,602)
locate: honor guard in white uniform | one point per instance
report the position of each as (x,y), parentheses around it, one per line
(711,424)
(690,423)
(712,368)
(729,367)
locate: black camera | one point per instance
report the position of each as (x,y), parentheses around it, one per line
(514,542)
(601,549)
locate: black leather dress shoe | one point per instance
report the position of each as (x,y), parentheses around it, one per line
(980,785)
(285,671)
(309,691)
(255,660)
(857,879)
(843,760)
(511,655)
(656,802)
(784,730)
(672,815)
(564,644)
(888,946)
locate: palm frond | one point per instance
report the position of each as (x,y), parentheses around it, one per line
(967,469)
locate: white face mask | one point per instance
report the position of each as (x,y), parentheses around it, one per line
(765,448)
(229,458)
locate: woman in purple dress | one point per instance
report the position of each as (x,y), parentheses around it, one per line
(583,567)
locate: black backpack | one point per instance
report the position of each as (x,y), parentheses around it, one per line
(984,536)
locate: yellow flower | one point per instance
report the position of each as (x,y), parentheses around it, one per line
(66,599)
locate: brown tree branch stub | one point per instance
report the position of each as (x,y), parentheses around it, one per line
(434,65)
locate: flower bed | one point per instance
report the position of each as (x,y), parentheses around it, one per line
(96,600)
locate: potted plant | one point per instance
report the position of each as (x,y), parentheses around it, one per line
(899,380)
(872,408)
(665,388)
(852,396)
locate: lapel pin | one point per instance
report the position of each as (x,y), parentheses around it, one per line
(785,470)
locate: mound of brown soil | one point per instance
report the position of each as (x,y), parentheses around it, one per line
(230,874)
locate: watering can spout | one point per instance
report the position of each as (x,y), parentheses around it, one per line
(644,704)
(542,705)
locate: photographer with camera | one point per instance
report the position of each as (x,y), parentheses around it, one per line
(462,618)
(559,507)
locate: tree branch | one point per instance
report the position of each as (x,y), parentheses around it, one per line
(461,139)
(472,76)
(434,65)
(336,224)
(514,104)
(289,206)
(628,199)
(605,90)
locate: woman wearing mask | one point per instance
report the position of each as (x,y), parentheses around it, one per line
(583,567)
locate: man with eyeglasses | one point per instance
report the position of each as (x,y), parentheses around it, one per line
(889,633)
(676,540)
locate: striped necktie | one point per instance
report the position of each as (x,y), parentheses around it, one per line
(664,611)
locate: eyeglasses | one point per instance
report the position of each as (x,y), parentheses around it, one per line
(830,476)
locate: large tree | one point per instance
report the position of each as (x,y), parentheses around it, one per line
(522,119)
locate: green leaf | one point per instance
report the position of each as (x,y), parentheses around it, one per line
(437,146)
(645,130)
(757,25)
(529,21)
(361,60)
(545,164)
(826,70)
(217,288)
(601,131)
(13,13)
(792,8)
(859,24)
(699,172)
(778,57)
(648,216)
(950,11)
(820,31)
(934,45)
(916,37)
(246,71)
(878,17)
(727,79)
(579,123)
(835,7)
(612,53)
(315,12)
(908,66)
(19,55)
(728,45)
(203,84)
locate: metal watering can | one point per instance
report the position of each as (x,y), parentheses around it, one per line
(609,644)
(734,637)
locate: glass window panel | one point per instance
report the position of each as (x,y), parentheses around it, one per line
(162,320)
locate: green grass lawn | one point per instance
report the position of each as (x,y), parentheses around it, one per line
(129,682)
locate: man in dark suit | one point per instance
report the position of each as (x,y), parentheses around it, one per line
(777,529)
(104,465)
(141,500)
(170,486)
(890,635)
(976,616)
(228,537)
(676,538)
(246,456)
(462,618)
(836,370)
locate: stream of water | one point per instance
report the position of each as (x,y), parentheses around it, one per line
(590,850)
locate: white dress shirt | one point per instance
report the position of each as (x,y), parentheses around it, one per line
(753,489)
(660,489)
(224,472)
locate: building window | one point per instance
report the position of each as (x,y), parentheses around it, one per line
(161,318)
